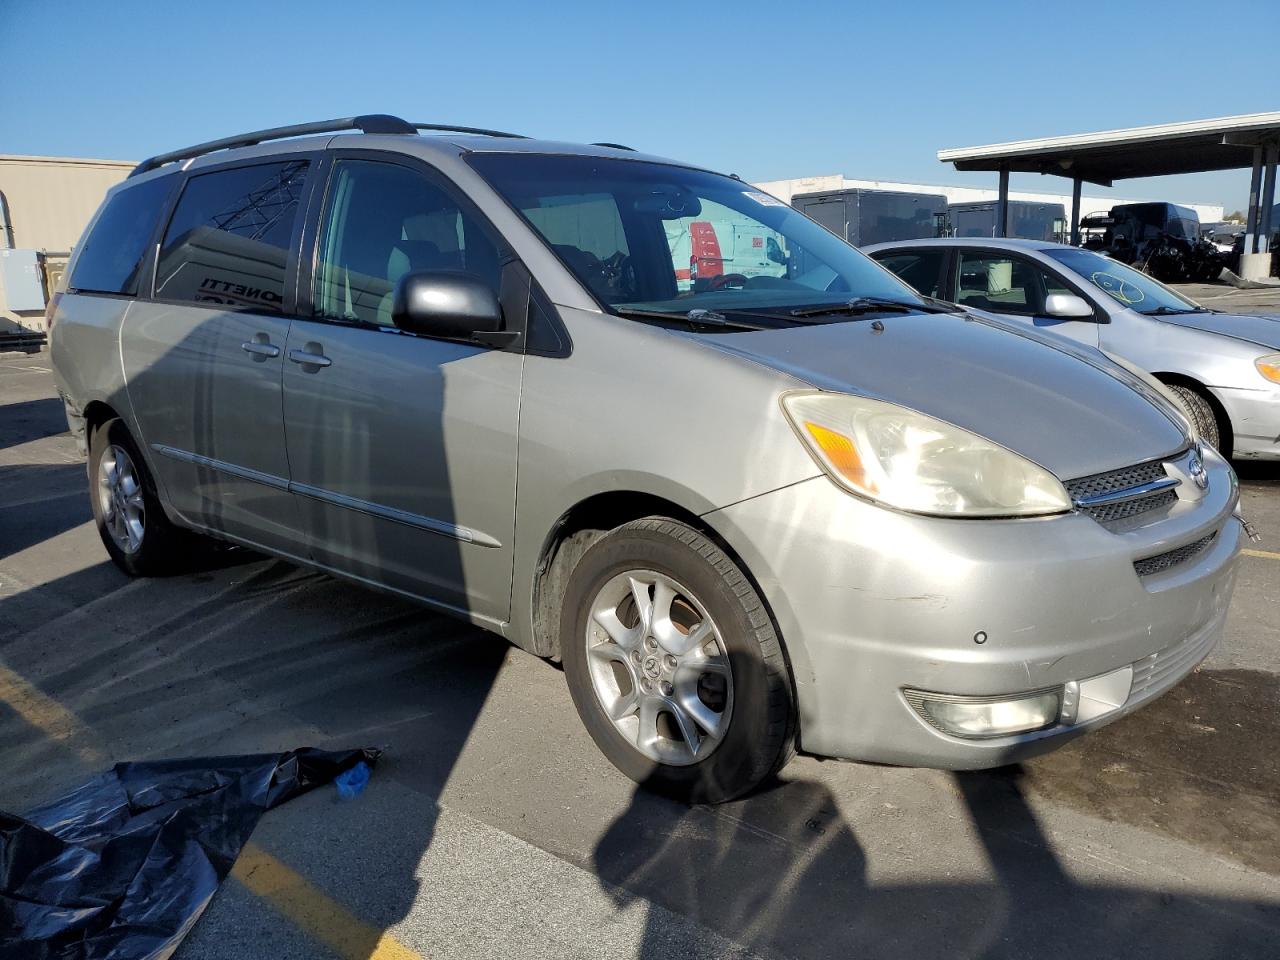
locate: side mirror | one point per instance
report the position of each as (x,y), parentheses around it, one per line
(442,304)
(1067,306)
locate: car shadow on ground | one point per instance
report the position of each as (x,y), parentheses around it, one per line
(29,420)
(782,872)
(1261,472)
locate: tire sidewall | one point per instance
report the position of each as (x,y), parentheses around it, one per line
(750,749)
(1205,418)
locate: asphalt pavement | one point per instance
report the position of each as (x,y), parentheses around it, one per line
(494,828)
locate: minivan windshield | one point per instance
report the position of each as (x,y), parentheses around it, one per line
(654,237)
(1135,290)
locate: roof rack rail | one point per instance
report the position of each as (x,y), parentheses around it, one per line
(615,146)
(368,123)
(450,128)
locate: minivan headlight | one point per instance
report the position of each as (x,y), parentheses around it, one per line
(906,460)
(1269,367)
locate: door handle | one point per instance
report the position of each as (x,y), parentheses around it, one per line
(309,359)
(260,349)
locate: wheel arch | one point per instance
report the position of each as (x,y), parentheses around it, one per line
(96,413)
(1226,431)
(586,522)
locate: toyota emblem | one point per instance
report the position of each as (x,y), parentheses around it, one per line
(1196,468)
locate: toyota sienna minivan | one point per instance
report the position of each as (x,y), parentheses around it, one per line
(753,492)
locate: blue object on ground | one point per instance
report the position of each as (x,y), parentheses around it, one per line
(352,783)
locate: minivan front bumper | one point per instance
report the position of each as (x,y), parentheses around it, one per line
(874,605)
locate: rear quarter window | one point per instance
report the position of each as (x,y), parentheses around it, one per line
(111,255)
(228,239)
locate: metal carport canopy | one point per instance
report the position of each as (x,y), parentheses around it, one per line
(1192,146)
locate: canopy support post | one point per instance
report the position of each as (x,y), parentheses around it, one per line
(1251,220)
(1265,225)
(1076,183)
(1002,204)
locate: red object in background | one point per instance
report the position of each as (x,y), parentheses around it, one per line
(706,260)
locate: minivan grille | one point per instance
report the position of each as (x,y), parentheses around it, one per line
(1164,561)
(1117,481)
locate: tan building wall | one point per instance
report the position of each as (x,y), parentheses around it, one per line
(50,200)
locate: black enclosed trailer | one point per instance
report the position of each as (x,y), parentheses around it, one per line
(862,216)
(1029,219)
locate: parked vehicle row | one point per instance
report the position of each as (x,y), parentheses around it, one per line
(800,507)
(868,216)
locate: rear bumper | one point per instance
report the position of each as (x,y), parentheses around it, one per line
(1255,421)
(871,602)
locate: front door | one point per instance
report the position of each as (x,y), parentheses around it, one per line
(1015,287)
(204,358)
(402,448)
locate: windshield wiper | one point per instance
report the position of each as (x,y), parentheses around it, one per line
(1163,311)
(868,305)
(696,317)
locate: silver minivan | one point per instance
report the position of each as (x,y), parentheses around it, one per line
(753,492)
(1224,367)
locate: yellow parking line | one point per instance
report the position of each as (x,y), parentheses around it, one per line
(291,894)
(1264,554)
(47,715)
(288,892)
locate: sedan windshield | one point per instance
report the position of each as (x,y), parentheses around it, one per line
(1135,290)
(651,238)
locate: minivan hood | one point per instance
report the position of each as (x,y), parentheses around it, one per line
(1072,415)
(1264,331)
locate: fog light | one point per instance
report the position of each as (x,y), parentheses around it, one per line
(977,717)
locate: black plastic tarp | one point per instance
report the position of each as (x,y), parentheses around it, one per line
(124,865)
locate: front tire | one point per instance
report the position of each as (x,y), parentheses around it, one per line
(126,508)
(674,664)
(1205,419)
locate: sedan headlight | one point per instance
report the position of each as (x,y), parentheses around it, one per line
(1269,367)
(906,460)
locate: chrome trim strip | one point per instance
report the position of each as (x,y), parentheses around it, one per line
(430,524)
(1128,493)
(244,473)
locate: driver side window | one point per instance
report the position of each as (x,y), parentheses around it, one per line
(383,221)
(1001,284)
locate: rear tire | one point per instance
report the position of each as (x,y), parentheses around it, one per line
(674,664)
(126,508)
(1205,419)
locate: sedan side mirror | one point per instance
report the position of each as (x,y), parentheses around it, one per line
(437,303)
(1067,306)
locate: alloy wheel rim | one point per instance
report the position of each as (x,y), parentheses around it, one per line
(659,667)
(121,500)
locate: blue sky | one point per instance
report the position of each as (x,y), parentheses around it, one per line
(765,90)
